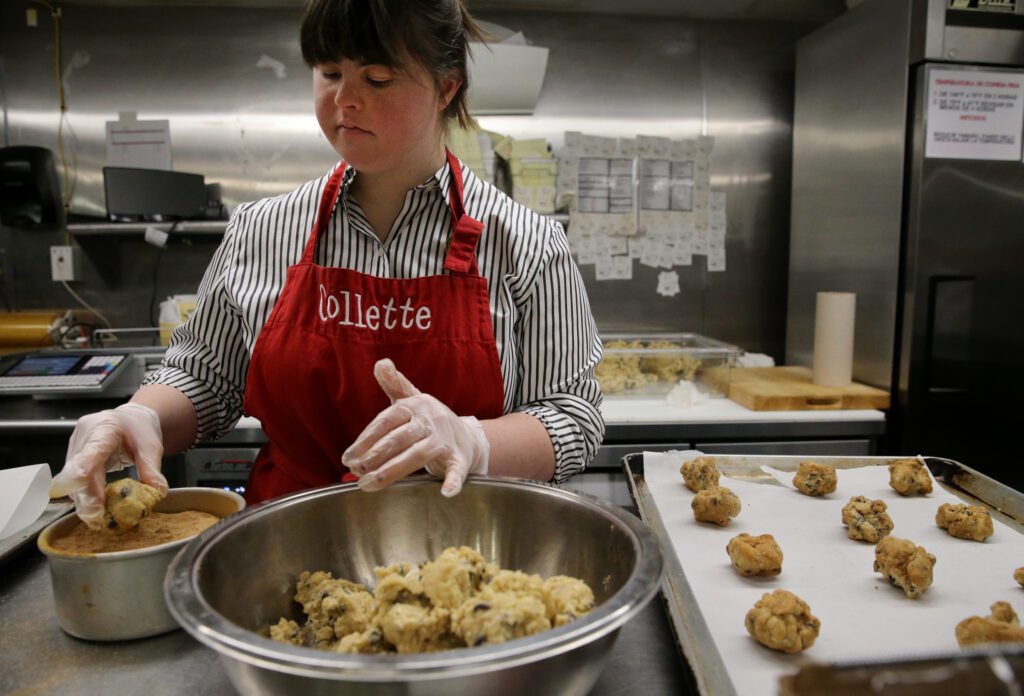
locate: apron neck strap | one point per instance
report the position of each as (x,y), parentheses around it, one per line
(461,256)
(325,211)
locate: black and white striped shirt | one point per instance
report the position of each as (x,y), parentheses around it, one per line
(548,345)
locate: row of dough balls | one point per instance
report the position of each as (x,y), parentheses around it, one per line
(865,519)
(782,621)
(906,476)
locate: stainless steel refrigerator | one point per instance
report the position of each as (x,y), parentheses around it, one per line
(932,245)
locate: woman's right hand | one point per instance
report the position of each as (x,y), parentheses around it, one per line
(109,441)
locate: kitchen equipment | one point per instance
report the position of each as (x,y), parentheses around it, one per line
(232,581)
(930,244)
(692,613)
(30,194)
(119,596)
(78,373)
(33,329)
(645,365)
(153,194)
(791,389)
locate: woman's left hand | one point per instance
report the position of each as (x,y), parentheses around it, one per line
(417,431)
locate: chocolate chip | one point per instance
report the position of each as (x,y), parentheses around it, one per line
(124,491)
(481,606)
(480,640)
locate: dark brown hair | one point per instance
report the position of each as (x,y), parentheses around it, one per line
(435,33)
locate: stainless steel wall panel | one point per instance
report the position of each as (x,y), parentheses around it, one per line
(848,162)
(255,132)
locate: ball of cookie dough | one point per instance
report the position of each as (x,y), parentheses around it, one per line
(910,477)
(414,628)
(965,521)
(1018,575)
(128,501)
(455,576)
(815,479)
(755,555)
(1001,626)
(496,617)
(699,473)
(782,621)
(566,599)
(333,607)
(717,505)
(905,565)
(866,520)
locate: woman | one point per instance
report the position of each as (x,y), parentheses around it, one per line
(398,259)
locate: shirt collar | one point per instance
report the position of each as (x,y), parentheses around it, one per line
(441,180)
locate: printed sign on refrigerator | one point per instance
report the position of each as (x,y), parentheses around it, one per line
(975,114)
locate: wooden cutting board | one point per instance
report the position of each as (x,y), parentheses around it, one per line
(791,389)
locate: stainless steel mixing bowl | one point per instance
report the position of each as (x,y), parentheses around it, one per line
(232,581)
(119,596)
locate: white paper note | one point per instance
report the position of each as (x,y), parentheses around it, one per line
(134,143)
(974,114)
(668,283)
(24,493)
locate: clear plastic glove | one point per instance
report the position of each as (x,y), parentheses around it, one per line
(109,441)
(416,431)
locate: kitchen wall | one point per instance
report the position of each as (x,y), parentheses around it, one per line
(252,129)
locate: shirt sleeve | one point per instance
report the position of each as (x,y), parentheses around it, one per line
(207,358)
(560,351)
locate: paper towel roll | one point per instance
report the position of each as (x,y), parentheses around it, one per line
(833,339)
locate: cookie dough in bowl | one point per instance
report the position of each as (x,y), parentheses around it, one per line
(426,596)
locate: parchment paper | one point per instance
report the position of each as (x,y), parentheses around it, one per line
(862,615)
(24,493)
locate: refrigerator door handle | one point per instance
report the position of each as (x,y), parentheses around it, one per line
(948,337)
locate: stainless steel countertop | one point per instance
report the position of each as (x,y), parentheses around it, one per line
(37,657)
(27,416)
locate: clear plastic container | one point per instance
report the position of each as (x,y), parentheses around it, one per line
(646,365)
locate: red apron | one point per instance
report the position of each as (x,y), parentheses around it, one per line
(310,380)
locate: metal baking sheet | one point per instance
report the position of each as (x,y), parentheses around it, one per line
(692,632)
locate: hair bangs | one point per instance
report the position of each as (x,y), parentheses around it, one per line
(359,30)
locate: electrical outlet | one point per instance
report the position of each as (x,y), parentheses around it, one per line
(64,263)
(31,17)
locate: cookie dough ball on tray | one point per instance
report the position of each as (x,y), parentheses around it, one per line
(910,477)
(755,555)
(782,621)
(1001,626)
(717,505)
(965,521)
(128,501)
(699,473)
(1018,575)
(905,565)
(866,520)
(815,479)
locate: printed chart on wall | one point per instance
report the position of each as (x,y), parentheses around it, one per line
(975,114)
(645,199)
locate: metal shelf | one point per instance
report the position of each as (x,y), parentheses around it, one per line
(189,227)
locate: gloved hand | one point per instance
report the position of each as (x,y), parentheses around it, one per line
(109,441)
(416,431)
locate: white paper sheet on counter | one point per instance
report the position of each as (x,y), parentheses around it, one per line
(862,615)
(24,493)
